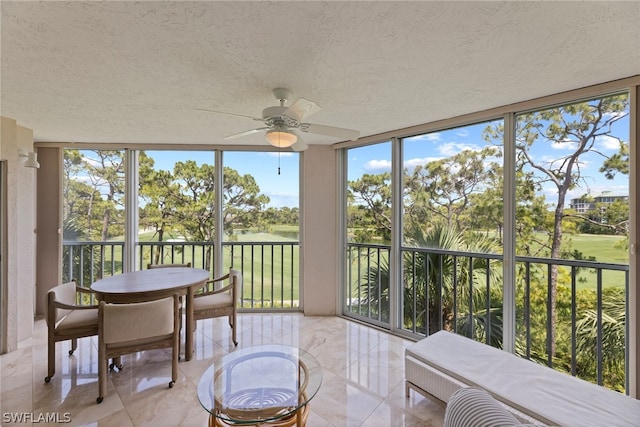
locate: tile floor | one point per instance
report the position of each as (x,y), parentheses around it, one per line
(362,377)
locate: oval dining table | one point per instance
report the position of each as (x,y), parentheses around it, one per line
(147,285)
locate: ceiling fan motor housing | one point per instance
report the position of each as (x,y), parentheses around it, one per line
(274,116)
(273,112)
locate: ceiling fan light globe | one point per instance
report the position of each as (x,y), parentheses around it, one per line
(281,139)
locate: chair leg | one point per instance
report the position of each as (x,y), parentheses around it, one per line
(51,359)
(180,332)
(175,355)
(232,323)
(102,375)
(74,345)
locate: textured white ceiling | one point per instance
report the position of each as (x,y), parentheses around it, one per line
(137,72)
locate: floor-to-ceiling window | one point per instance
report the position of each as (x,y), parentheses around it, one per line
(261,225)
(176,208)
(368,222)
(572,204)
(93,214)
(528,207)
(210,209)
(452,233)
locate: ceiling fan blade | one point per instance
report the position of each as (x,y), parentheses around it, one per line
(330,131)
(299,145)
(245,133)
(302,109)
(229,114)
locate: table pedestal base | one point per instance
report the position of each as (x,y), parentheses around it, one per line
(297,418)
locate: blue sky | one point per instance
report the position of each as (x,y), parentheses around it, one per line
(282,189)
(421,149)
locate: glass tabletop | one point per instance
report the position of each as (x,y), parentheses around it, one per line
(259,384)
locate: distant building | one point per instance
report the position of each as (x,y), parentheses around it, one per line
(588,202)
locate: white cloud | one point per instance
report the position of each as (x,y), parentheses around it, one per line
(280,199)
(608,142)
(555,162)
(435,136)
(378,165)
(453,148)
(462,133)
(564,145)
(412,163)
(617,114)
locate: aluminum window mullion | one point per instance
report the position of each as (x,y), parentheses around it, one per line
(509,244)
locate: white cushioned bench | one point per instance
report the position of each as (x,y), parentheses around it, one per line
(444,362)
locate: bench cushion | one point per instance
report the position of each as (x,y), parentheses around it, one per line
(553,397)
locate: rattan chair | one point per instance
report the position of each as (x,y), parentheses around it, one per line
(130,328)
(221,300)
(67,320)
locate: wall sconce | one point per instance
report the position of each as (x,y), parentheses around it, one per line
(28,159)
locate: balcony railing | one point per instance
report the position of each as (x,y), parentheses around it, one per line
(270,269)
(441,289)
(462,292)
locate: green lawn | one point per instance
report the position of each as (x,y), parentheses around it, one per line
(604,248)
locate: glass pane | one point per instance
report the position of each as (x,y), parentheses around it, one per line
(572,218)
(261,225)
(368,232)
(453,216)
(93,214)
(176,203)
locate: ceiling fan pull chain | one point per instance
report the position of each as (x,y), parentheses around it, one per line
(278,163)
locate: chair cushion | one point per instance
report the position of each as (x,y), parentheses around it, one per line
(66,294)
(79,319)
(137,321)
(207,302)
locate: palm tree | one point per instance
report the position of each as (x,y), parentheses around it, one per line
(612,338)
(439,286)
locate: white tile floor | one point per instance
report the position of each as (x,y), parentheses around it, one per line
(362,384)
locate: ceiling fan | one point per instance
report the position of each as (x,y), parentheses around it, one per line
(282,123)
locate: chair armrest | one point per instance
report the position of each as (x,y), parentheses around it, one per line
(204,288)
(58,304)
(217,291)
(85,290)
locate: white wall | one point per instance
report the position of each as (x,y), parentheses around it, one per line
(18,295)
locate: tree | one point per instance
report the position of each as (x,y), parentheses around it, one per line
(157,191)
(612,339)
(106,173)
(429,281)
(243,202)
(370,204)
(578,126)
(443,189)
(618,163)
(94,188)
(183,201)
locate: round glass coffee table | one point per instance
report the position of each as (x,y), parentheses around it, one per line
(265,384)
